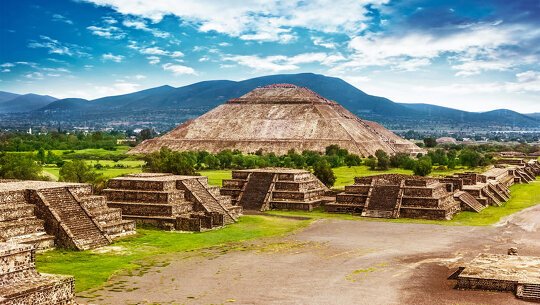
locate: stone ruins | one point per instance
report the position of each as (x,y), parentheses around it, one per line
(45,214)
(394,196)
(21,284)
(278,118)
(171,202)
(495,272)
(275,188)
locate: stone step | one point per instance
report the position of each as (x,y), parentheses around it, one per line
(9,229)
(531,292)
(141,209)
(119,228)
(40,240)
(16,211)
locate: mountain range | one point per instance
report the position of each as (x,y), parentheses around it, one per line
(169,105)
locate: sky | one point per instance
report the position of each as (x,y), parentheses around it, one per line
(466,54)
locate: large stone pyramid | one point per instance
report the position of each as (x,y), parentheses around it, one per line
(277,118)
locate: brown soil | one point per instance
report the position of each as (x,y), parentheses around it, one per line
(332,262)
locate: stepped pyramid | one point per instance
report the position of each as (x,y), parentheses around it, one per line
(171,202)
(21,284)
(277,118)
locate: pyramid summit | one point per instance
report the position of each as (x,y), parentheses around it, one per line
(277,118)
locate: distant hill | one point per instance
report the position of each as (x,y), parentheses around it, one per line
(25,103)
(166,106)
(6,96)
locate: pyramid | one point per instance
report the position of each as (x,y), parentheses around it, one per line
(277,118)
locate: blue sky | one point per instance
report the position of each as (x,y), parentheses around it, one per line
(472,55)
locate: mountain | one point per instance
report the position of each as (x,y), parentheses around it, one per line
(535,115)
(165,106)
(6,96)
(511,118)
(25,103)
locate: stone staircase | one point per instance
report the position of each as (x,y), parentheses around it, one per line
(79,226)
(19,224)
(21,284)
(108,219)
(494,200)
(468,202)
(255,192)
(531,292)
(205,198)
(383,202)
(497,192)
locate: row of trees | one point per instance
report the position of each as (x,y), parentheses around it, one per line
(57,140)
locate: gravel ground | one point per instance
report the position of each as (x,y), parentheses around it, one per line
(332,262)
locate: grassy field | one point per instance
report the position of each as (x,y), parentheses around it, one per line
(216,176)
(92,269)
(522,196)
(107,172)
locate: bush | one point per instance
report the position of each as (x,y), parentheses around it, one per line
(422,167)
(323,171)
(79,171)
(352,160)
(167,161)
(383,162)
(20,166)
(371,162)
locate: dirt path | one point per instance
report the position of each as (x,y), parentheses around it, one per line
(333,262)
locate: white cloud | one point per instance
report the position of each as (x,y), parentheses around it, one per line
(141,25)
(112,57)
(153,60)
(280,63)
(115,89)
(255,19)
(178,69)
(5,70)
(60,18)
(109,20)
(319,41)
(153,51)
(34,75)
(108,32)
(7,65)
(56,47)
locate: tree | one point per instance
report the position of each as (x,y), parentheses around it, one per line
(167,161)
(422,167)
(146,134)
(430,142)
(41,156)
(371,162)
(79,171)
(399,160)
(20,166)
(332,150)
(352,160)
(383,162)
(438,157)
(323,171)
(470,158)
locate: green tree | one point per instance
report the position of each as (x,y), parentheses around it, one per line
(383,161)
(41,155)
(371,162)
(430,142)
(20,166)
(423,167)
(79,171)
(167,161)
(323,171)
(470,158)
(352,160)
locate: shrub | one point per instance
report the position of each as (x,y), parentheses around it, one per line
(323,171)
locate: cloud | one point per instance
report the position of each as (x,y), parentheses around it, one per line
(319,41)
(157,51)
(280,63)
(153,60)
(109,20)
(56,47)
(178,69)
(7,65)
(111,57)
(115,89)
(256,19)
(34,75)
(141,25)
(60,18)
(108,32)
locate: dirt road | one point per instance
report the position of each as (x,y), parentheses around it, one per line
(333,262)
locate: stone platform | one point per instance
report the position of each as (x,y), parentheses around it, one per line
(394,196)
(171,202)
(21,284)
(44,213)
(518,274)
(275,188)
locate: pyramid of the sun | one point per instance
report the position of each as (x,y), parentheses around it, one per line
(277,118)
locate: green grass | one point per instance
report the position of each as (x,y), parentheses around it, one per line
(216,176)
(522,196)
(107,172)
(91,270)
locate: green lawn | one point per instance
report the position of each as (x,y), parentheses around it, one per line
(216,176)
(93,269)
(107,172)
(522,197)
